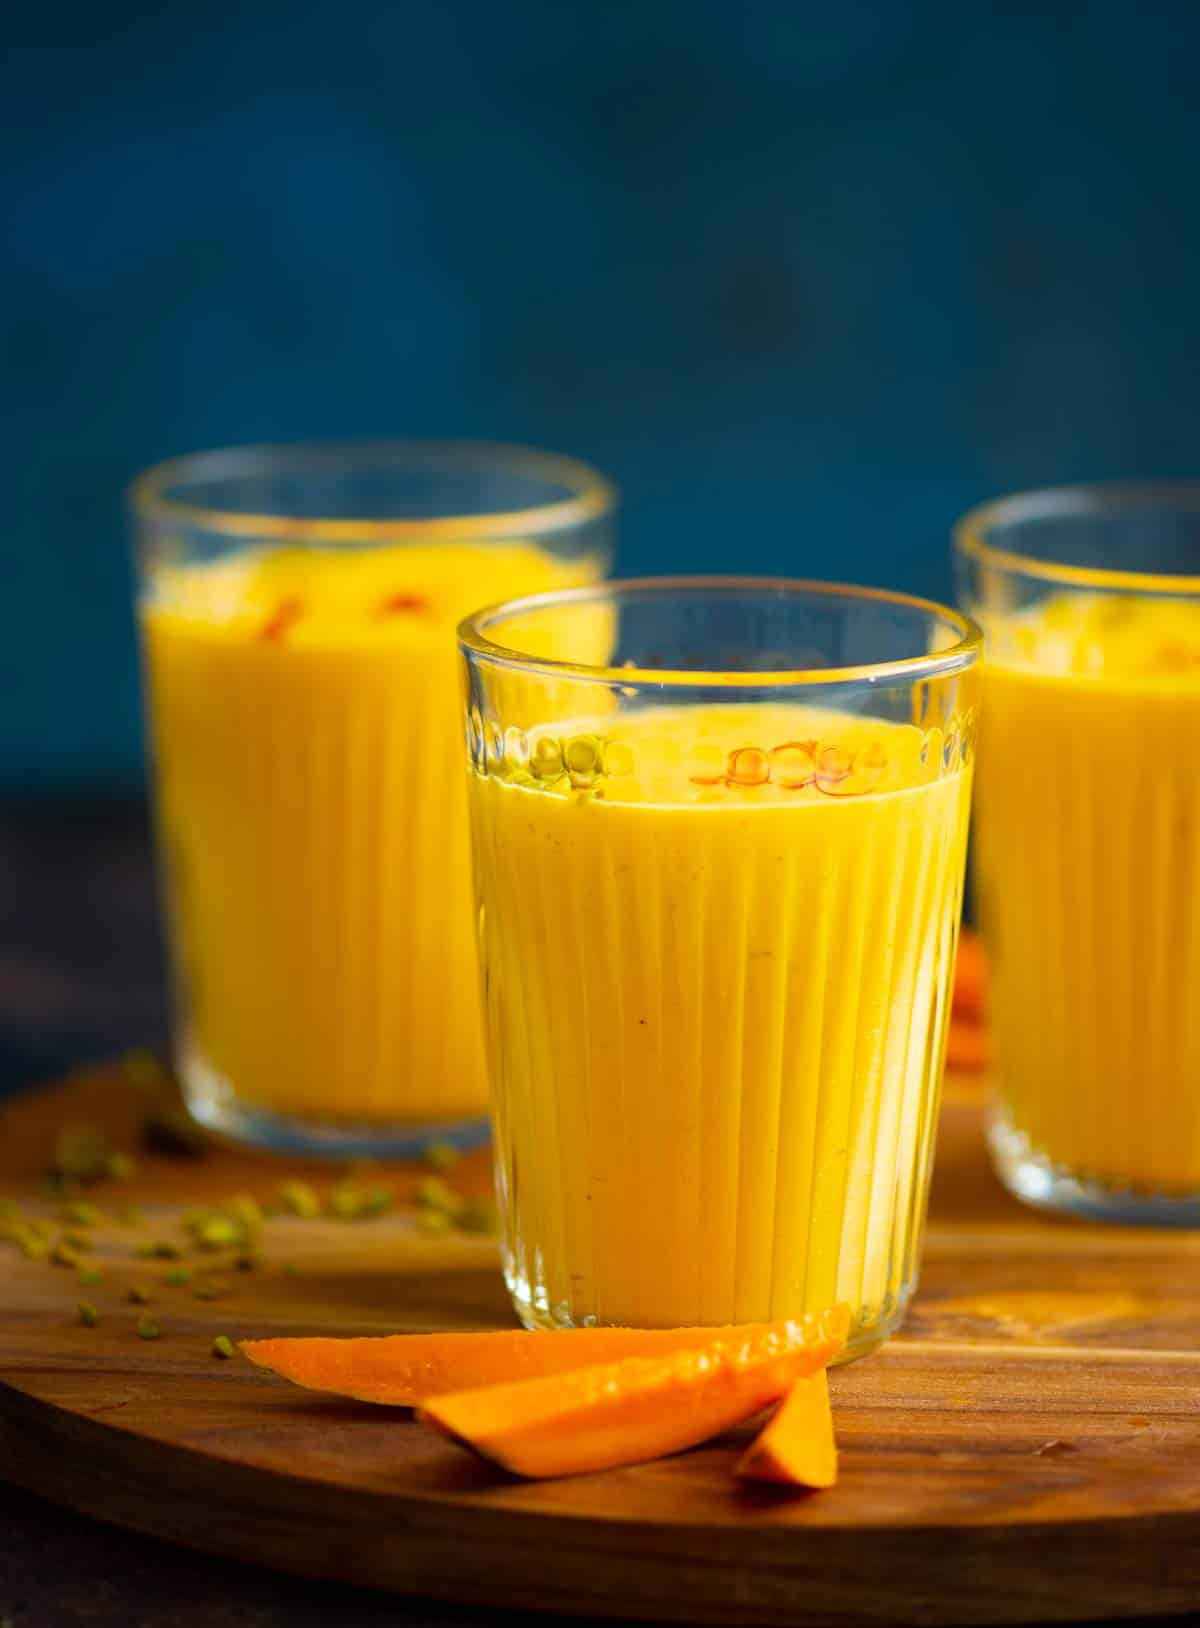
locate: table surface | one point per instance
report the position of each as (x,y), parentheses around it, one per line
(81,978)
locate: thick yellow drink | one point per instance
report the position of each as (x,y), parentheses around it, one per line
(1088,873)
(716,943)
(308,744)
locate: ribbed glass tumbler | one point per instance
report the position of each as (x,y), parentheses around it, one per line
(719,830)
(297,609)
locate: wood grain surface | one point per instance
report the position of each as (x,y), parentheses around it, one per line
(1028,1450)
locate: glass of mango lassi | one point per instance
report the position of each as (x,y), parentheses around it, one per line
(297,611)
(1087,845)
(719,830)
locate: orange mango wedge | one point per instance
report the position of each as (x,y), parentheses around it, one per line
(641,1407)
(796,1447)
(405,1370)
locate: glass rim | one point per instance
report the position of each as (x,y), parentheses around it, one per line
(592,494)
(963,653)
(1059,502)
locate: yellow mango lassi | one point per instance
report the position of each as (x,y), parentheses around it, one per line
(716,943)
(1087,868)
(307,743)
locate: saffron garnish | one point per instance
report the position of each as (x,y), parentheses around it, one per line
(402,604)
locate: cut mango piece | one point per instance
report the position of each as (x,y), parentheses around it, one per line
(404,1370)
(796,1447)
(640,1408)
(969,999)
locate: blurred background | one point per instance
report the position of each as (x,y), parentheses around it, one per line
(806,280)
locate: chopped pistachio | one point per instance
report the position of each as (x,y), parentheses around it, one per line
(583,754)
(245,1209)
(89,1276)
(441,1156)
(289,1269)
(177,1276)
(433,1221)
(148,1329)
(82,1214)
(88,1315)
(345,1203)
(63,1255)
(300,1199)
(120,1167)
(434,1194)
(78,1241)
(34,1247)
(160,1250)
(222,1346)
(138,1295)
(218,1232)
(80,1153)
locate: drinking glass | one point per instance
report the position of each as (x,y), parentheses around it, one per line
(1087,847)
(297,610)
(718,830)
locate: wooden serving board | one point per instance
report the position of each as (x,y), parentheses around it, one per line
(1027,1450)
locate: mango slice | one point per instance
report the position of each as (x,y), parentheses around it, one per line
(796,1447)
(404,1370)
(641,1407)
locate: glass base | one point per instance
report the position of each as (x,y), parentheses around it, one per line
(540,1317)
(212,1101)
(1033,1179)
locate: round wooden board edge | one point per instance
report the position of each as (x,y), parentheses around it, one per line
(447,1549)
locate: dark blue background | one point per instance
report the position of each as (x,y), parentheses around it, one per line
(807,279)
